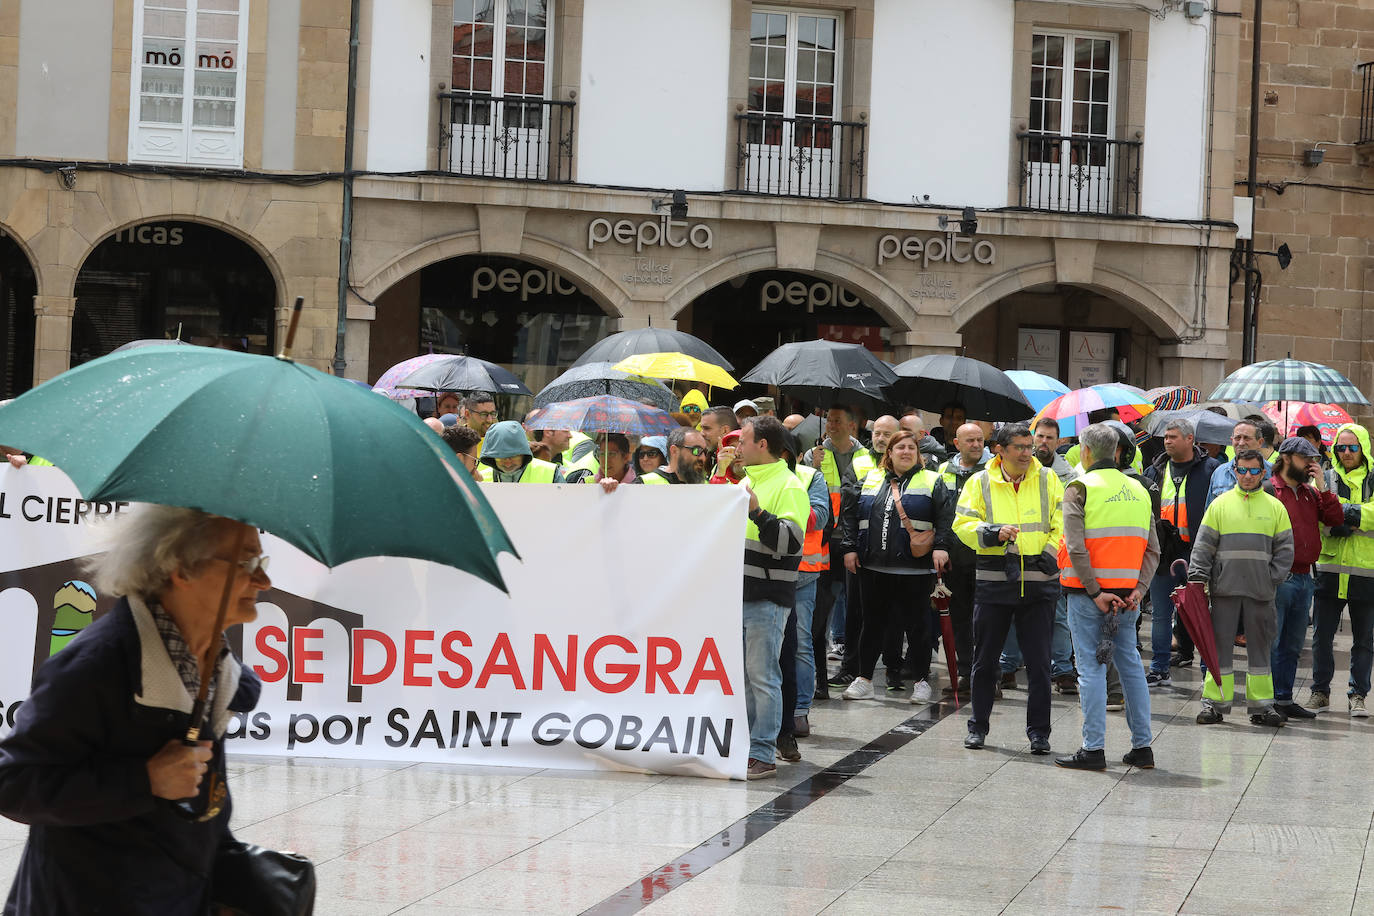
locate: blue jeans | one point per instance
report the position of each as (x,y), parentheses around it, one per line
(806,653)
(763,626)
(1011,658)
(1086,623)
(1328,613)
(1162,619)
(1293,601)
(1061,640)
(839,588)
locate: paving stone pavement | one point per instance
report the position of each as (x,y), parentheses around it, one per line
(1234,819)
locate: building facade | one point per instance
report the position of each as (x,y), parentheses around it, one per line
(1042,185)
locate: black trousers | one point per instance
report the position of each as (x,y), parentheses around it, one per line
(960,581)
(894,606)
(1034,624)
(787,661)
(853,624)
(820,627)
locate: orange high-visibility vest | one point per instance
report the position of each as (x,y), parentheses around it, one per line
(815,550)
(1116,520)
(1173,506)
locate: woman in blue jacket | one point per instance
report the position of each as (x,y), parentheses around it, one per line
(894,584)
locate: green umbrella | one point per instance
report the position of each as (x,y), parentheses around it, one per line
(316,460)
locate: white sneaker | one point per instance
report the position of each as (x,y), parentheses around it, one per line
(861,688)
(920,693)
(1357,710)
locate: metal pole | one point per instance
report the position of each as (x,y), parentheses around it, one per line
(346,219)
(1251,305)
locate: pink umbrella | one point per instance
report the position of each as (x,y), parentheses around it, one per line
(387,383)
(1289,415)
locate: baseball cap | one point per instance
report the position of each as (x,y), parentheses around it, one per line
(746,403)
(765,404)
(449,420)
(658,443)
(1294,445)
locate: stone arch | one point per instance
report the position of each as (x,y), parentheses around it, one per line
(884,298)
(1155,311)
(23,245)
(273,268)
(589,277)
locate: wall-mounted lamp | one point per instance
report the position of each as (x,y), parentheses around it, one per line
(677,204)
(968,223)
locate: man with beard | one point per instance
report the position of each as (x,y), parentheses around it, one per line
(1046,441)
(1297,481)
(1062,671)
(884,428)
(479,414)
(686,460)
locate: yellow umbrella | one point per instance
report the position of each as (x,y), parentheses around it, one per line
(677,366)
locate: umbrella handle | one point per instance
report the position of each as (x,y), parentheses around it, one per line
(1173,568)
(285,352)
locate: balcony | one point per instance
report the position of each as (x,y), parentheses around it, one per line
(518,138)
(1365,74)
(800,157)
(1088,175)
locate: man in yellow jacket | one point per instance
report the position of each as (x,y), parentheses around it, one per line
(1009,515)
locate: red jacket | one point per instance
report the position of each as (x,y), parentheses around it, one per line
(1308,510)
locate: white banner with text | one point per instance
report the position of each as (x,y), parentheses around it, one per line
(618,647)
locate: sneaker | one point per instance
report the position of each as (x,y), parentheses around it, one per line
(839,680)
(1291,710)
(1271,717)
(757,769)
(1067,684)
(921,693)
(894,683)
(1008,681)
(1083,759)
(1116,702)
(1142,758)
(836,652)
(1156,679)
(787,748)
(1357,710)
(1209,716)
(1319,701)
(861,688)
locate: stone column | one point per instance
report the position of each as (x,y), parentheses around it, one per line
(1201,364)
(911,344)
(358,345)
(52,337)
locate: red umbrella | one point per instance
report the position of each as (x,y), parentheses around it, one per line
(1191,602)
(1289,415)
(939,599)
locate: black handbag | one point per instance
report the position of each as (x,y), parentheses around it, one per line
(252,881)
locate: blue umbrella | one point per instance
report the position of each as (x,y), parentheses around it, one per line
(1038,389)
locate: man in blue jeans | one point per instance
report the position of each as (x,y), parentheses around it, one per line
(1183,472)
(1109,556)
(1297,481)
(773,540)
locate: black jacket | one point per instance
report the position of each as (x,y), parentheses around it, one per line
(74,769)
(883,541)
(1194,489)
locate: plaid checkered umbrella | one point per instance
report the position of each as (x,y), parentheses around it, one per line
(1174,397)
(603,414)
(1289,380)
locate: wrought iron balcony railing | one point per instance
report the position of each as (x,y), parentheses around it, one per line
(1068,174)
(514,137)
(800,157)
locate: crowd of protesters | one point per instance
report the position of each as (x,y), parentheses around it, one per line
(1050,549)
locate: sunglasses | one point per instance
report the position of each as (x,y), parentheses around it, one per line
(695,450)
(1346,448)
(1250,471)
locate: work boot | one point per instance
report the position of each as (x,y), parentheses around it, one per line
(801,726)
(787,748)
(1142,758)
(1084,759)
(1210,715)
(1271,717)
(1067,684)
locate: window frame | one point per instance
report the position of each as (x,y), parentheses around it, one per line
(1066,97)
(789,108)
(187,128)
(498,74)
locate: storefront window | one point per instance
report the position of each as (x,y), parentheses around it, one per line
(170,280)
(750,316)
(530,319)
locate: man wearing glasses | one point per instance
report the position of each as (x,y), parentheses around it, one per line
(1345,574)
(1244,437)
(479,414)
(1242,552)
(686,460)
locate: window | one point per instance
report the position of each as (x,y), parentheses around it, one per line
(791,142)
(499,116)
(1072,161)
(188,81)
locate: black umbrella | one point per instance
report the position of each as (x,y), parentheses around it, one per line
(595,379)
(1209,428)
(651,340)
(827,374)
(985,392)
(464,373)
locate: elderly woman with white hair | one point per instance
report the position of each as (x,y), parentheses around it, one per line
(97,760)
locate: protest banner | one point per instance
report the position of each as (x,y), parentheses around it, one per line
(618,647)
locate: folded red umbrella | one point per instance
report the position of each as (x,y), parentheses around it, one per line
(1190,600)
(939,599)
